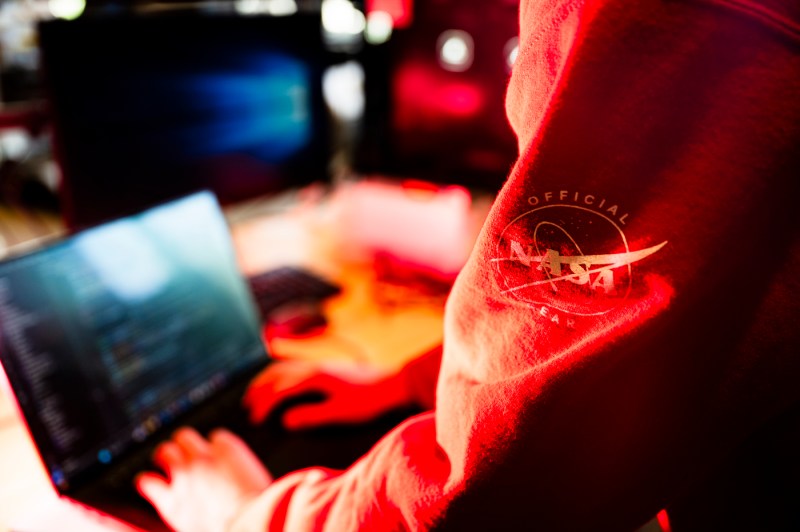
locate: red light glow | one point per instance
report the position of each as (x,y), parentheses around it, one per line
(663,521)
(401,11)
(425,97)
(461,99)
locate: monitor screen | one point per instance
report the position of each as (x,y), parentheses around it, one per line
(150,108)
(113,333)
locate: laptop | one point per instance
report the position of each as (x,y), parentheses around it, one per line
(113,337)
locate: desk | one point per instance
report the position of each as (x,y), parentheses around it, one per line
(366,324)
(362,326)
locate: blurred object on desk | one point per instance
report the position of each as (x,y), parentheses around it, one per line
(299,319)
(415,226)
(294,229)
(29,178)
(391,308)
(21,226)
(278,287)
(400,284)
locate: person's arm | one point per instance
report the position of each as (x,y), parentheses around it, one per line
(208,482)
(590,370)
(419,376)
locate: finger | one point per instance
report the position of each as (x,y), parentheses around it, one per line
(192,443)
(263,382)
(262,405)
(243,463)
(286,370)
(168,456)
(277,376)
(313,415)
(154,489)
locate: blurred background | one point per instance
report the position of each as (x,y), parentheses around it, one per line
(110,106)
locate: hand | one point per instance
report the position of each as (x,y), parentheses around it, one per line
(354,393)
(208,481)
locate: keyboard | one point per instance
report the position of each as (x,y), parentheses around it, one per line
(289,284)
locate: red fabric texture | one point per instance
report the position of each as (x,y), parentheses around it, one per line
(629,314)
(419,378)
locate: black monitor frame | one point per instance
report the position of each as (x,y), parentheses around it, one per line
(97,186)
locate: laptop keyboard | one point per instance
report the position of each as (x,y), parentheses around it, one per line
(289,284)
(122,476)
(224,410)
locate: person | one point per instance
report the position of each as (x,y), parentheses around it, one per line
(624,334)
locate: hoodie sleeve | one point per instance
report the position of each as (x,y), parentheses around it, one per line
(628,315)
(419,378)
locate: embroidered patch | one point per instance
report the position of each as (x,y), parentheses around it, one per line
(569,254)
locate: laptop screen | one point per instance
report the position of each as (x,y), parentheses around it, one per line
(147,108)
(112,333)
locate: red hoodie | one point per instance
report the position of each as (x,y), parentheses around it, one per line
(629,315)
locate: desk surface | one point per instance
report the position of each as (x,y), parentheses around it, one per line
(373,320)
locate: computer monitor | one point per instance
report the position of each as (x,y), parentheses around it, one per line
(435,92)
(148,108)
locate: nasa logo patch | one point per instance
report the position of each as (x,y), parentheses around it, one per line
(569,256)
